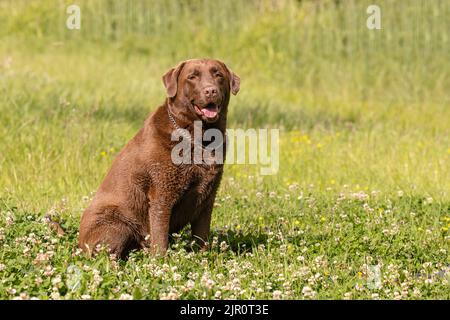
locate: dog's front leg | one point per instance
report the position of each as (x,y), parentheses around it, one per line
(159,218)
(201,225)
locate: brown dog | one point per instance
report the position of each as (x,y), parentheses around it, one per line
(145,196)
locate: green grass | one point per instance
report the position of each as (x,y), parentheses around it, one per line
(364,173)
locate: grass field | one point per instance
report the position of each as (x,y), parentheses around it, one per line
(360,208)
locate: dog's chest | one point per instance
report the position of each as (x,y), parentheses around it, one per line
(199,191)
(202,183)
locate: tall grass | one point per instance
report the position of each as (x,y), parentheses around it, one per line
(322,47)
(66,95)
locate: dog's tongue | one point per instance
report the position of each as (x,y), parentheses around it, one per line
(210,112)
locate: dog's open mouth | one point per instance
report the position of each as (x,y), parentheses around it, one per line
(209,111)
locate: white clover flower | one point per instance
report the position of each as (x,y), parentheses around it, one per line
(190,284)
(210,283)
(41,257)
(55,295)
(22,296)
(277,295)
(126,296)
(220,276)
(48,271)
(223,246)
(359,195)
(308,292)
(172,295)
(176,276)
(56,280)
(359,287)
(9,218)
(11,291)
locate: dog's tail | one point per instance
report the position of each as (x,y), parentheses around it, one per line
(53,225)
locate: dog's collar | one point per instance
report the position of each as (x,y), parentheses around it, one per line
(176,126)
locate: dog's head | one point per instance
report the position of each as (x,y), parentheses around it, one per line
(202,87)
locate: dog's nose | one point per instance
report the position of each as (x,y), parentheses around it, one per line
(210,92)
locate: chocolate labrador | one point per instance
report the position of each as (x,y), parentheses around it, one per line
(145,196)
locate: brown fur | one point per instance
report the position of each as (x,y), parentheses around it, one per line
(144,193)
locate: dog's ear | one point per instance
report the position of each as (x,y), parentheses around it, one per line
(170,80)
(235,81)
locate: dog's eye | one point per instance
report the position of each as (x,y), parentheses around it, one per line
(191,76)
(218,75)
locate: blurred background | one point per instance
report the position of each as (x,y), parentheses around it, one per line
(368,108)
(306,56)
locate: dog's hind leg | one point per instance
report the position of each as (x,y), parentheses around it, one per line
(113,230)
(119,239)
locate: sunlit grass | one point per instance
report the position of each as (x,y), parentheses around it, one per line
(364,175)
